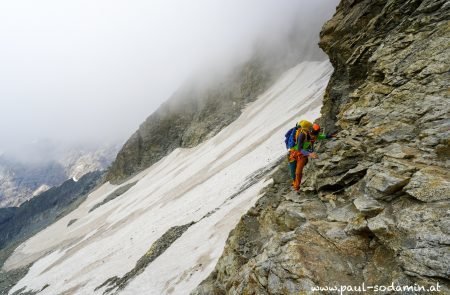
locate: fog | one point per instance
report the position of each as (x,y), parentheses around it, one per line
(90,71)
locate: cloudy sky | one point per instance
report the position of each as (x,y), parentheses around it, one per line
(93,70)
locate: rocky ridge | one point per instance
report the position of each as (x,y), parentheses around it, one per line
(374,208)
(77,163)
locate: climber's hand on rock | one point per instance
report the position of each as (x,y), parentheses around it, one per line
(313,155)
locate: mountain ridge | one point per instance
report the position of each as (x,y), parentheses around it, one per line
(21,180)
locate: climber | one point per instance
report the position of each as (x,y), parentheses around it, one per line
(305,135)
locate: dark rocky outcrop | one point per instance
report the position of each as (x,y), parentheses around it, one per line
(374,208)
(117,193)
(157,248)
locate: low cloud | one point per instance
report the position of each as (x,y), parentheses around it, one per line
(92,71)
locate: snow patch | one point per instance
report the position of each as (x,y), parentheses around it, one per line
(41,189)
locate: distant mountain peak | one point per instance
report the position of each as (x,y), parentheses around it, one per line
(21,181)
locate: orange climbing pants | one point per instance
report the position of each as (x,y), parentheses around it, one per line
(301,162)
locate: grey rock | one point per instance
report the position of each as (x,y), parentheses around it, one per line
(275,285)
(290,215)
(115,283)
(382,181)
(430,184)
(116,193)
(383,226)
(343,214)
(357,225)
(399,151)
(367,205)
(430,262)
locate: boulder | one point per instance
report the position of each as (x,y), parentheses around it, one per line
(343,214)
(383,182)
(399,151)
(368,206)
(429,184)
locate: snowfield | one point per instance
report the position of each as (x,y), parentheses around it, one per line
(222,176)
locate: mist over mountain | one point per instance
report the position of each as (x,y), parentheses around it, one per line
(46,165)
(85,72)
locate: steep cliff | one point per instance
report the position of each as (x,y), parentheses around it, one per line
(374,208)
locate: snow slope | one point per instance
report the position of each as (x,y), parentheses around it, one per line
(222,176)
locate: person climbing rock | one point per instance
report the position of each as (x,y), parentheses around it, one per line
(300,142)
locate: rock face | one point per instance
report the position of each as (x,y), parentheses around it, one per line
(374,208)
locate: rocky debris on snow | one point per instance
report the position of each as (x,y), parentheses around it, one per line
(72,221)
(9,279)
(157,248)
(117,193)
